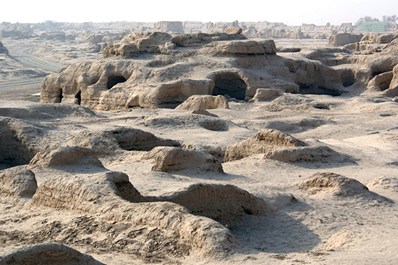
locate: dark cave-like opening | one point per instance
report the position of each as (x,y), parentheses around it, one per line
(78,97)
(230,84)
(12,151)
(115,79)
(347,78)
(60,96)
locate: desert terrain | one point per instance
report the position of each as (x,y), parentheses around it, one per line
(216,148)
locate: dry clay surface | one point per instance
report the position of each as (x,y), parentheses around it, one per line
(102,192)
(299,179)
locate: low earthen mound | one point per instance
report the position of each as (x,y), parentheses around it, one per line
(110,195)
(83,192)
(188,121)
(66,156)
(388,183)
(290,102)
(168,159)
(263,94)
(17,182)
(217,125)
(341,239)
(226,204)
(204,112)
(48,254)
(296,125)
(102,143)
(48,111)
(317,153)
(338,186)
(109,141)
(263,142)
(334,184)
(200,102)
(216,151)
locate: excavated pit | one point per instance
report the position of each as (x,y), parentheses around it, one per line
(134,139)
(12,151)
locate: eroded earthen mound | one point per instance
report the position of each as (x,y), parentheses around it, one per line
(48,254)
(66,156)
(263,142)
(17,182)
(297,124)
(188,121)
(47,111)
(226,204)
(198,102)
(334,184)
(169,159)
(317,153)
(263,94)
(82,192)
(337,185)
(339,240)
(110,195)
(105,142)
(102,143)
(291,102)
(388,183)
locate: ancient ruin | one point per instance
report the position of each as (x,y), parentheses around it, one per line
(186,142)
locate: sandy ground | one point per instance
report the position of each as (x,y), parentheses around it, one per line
(311,229)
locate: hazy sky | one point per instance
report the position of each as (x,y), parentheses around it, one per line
(291,12)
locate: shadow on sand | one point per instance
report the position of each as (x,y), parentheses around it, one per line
(200,175)
(276,232)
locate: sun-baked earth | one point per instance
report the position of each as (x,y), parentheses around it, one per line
(201,149)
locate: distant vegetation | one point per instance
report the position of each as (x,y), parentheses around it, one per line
(369,24)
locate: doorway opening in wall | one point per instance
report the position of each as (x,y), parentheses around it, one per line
(229,84)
